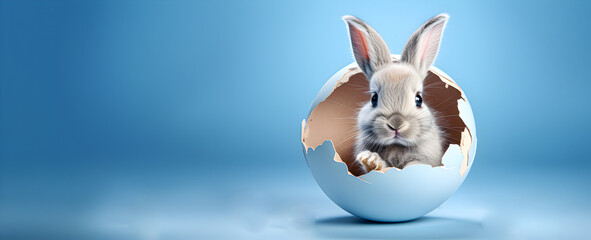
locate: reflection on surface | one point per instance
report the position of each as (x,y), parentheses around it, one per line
(421,228)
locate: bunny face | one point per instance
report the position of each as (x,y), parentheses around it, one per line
(396,113)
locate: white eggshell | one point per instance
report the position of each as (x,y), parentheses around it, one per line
(396,195)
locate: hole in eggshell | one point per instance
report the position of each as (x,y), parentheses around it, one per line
(335,118)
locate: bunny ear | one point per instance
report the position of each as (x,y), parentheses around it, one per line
(422,47)
(369,48)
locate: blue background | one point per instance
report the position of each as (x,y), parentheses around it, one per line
(181,119)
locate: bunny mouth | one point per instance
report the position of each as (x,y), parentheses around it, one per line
(396,134)
(395,131)
(397,139)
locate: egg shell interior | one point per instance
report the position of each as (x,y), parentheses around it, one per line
(328,136)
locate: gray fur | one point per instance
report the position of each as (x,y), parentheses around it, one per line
(420,140)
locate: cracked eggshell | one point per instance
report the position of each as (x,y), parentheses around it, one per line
(391,195)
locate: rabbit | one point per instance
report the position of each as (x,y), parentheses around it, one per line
(396,128)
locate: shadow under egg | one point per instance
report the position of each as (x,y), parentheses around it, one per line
(426,227)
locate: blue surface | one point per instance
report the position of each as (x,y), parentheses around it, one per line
(181,119)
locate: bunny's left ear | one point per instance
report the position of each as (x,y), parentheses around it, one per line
(422,47)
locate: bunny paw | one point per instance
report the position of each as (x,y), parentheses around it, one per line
(370,161)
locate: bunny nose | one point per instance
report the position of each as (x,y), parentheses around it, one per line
(395,122)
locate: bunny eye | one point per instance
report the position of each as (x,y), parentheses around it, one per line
(419,100)
(374,100)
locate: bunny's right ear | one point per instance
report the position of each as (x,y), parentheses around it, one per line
(369,48)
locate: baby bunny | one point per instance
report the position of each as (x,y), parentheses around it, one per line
(396,128)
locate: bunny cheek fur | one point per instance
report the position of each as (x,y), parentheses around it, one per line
(418,139)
